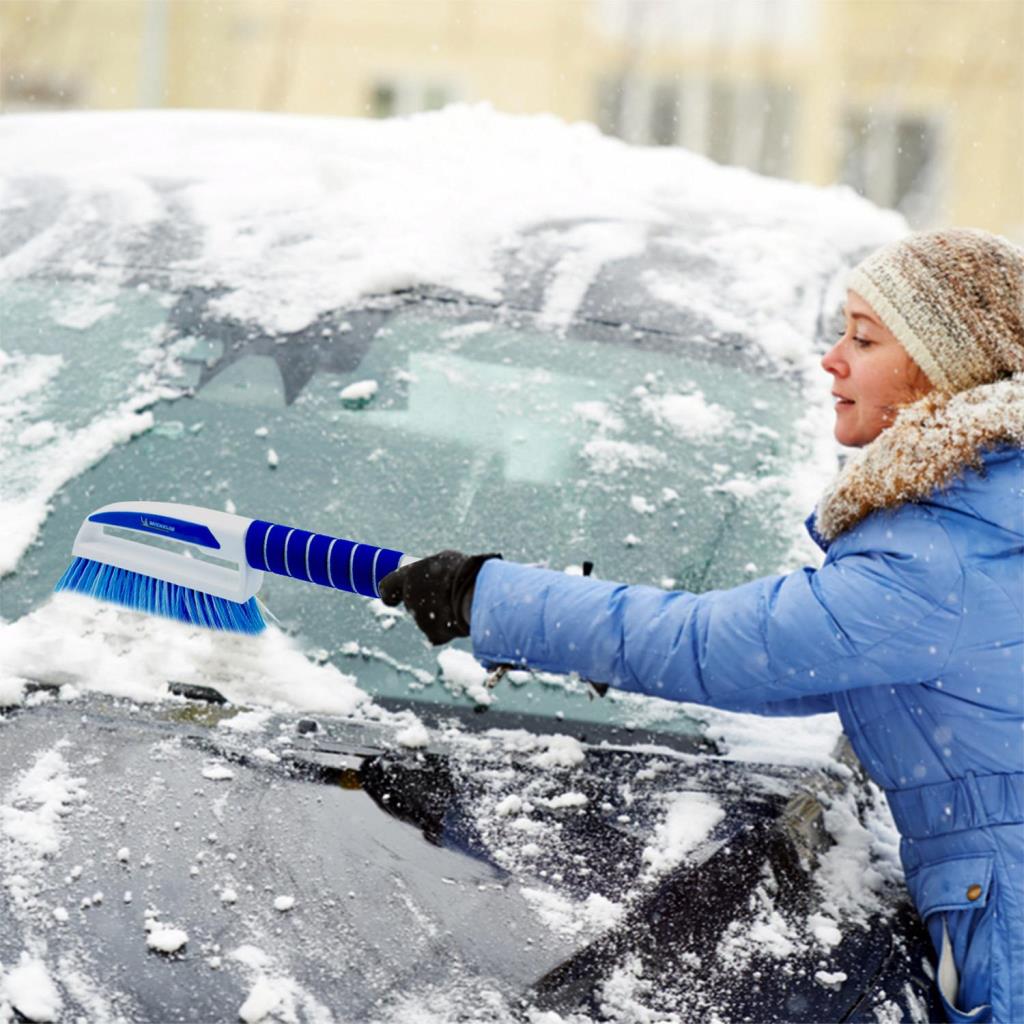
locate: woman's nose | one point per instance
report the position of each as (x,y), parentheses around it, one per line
(832,363)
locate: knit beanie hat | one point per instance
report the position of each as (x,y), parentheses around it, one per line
(954,299)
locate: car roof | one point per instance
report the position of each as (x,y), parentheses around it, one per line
(296,217)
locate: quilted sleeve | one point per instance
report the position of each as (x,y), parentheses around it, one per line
(884,609)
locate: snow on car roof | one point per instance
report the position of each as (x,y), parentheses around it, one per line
(296,216)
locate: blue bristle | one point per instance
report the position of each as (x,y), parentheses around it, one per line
(157,597)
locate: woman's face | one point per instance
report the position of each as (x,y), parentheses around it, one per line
(872,375)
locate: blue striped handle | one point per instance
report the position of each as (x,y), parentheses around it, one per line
(318,558)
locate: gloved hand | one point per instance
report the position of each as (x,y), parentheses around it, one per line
(438,591)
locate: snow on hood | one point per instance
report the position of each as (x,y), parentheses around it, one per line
(85,644)
(296,216)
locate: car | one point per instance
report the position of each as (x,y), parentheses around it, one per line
(467,330)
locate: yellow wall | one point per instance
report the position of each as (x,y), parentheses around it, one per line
(962,62)
(958,62)
(56,53)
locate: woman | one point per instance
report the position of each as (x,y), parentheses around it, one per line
(912,629)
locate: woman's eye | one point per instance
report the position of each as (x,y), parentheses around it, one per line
(862,342)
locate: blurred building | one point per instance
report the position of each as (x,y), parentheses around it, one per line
(918,104)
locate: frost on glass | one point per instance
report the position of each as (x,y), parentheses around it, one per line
(664,465)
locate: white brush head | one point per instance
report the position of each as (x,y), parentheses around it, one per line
(198,548)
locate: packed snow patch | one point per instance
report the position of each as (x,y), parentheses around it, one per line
(689,820)
(546,751)
(273,992)
(638,503)
(772,935)
(564,916)
(414,735)
(104,648)
(624,995)
(29,988)
(743,487)
(830,979)
(461,672)
(587,249)
(607,457)
(559,752)
(37,433)
(166,939)
(359,391)
(807,742)
(386,615)
(12,690)
(264,997)
(470,330)
(511,804)
(688,416)
(33,812)
(570,799)
(39,456)
(825,930)
(246,721)
(857,873)
(599,414)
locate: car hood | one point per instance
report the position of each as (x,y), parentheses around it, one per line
(191,861)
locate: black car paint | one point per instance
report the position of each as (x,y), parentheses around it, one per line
(357,829)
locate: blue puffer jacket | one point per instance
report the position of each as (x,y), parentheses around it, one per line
(913,630)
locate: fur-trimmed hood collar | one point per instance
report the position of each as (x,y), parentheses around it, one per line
(928,446)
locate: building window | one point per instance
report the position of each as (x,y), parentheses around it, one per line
(435,97)
(664,119)
(608,116)
(394,97)
(32,93)
(733,122)
(750,124)
(383,100)
(894,161)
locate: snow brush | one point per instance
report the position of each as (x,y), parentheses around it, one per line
(204,567)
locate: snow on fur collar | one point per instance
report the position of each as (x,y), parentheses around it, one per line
(930,444)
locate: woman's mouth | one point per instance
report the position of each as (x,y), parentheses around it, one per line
(840,401)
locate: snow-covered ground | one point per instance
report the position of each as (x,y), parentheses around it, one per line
(291,218)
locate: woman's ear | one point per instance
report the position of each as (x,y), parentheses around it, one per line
(917,380)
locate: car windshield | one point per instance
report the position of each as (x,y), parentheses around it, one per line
(419,422)
(556,347)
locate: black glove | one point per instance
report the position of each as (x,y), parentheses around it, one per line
(438,591)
